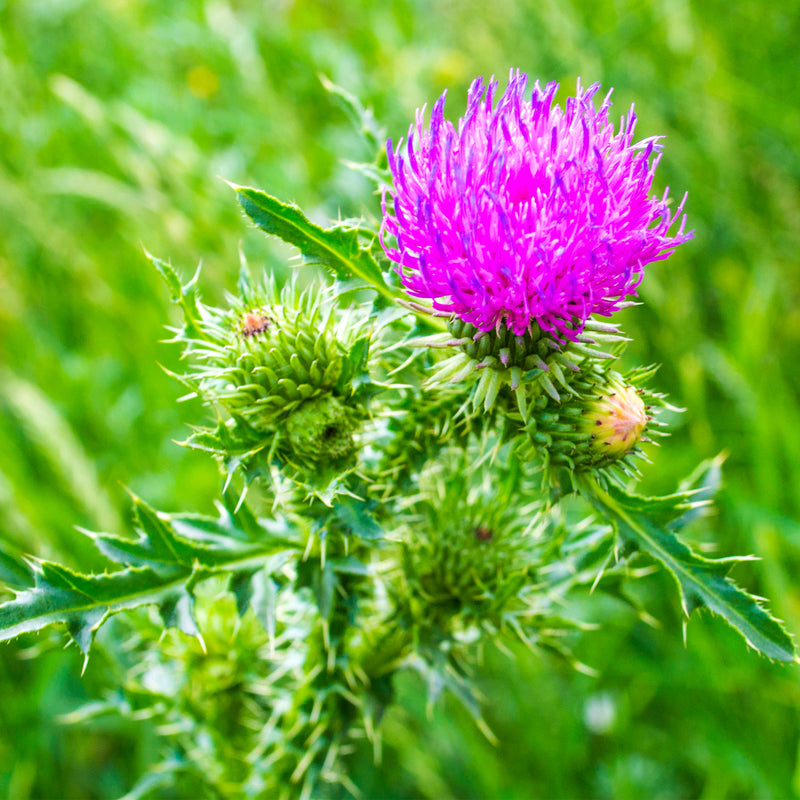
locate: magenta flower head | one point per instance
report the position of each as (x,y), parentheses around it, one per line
(526,212)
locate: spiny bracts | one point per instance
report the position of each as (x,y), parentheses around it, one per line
(598,427)
(466,548)
(529,364)
(287,371)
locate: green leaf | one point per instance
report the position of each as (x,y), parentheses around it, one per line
(14,573)
(161,568)
(264,600)
(374,136)
(358,519)
(184,295)
(338,248)
(323,585)
(362,118)
(259,591)
(702,582)
(161,775)
(704,483)
(349,565)
(437,670)
(355,364)
(206,542)
(83,601)
(177,611)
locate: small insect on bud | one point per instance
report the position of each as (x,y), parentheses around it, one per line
(616,420)
(253,324)
(280,364)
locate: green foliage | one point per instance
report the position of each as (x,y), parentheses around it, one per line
(338,249)
(703,582)
(161,567)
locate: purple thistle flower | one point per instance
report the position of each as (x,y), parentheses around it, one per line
(526,212)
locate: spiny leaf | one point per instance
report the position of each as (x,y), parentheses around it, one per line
(349,565)
(355,364)
(161,567)
(264,600)
(166,546)
(177,611)
(705,482)
(257,589)
(191,540)
(83,601)
(184,295)
(439,675)
(14,573)
(374,136)
(702,582)
(362,118)
(358,519)
(337,248)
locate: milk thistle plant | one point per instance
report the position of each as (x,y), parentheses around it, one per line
(425,445)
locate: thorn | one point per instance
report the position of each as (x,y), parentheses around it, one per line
(600,573)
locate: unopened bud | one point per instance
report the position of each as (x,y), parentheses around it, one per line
(282,364)
(466,552)
(615,421)
(598,426)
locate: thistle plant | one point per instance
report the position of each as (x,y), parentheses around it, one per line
(405,431)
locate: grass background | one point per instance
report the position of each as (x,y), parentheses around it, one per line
(116,119)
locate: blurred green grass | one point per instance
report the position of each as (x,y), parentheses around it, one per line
(118,117)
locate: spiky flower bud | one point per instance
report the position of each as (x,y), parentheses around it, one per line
(466,554)
(283,365)
(322,428)
(269,354)
(598,426)
(615,420)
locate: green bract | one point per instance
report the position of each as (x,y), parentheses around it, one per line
(530,364)
(467,548)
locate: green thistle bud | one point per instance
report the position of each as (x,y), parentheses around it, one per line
(530,365)
(290,372)
(323,429)
(269,354)
(466,554)
(615,420)
(598,426)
